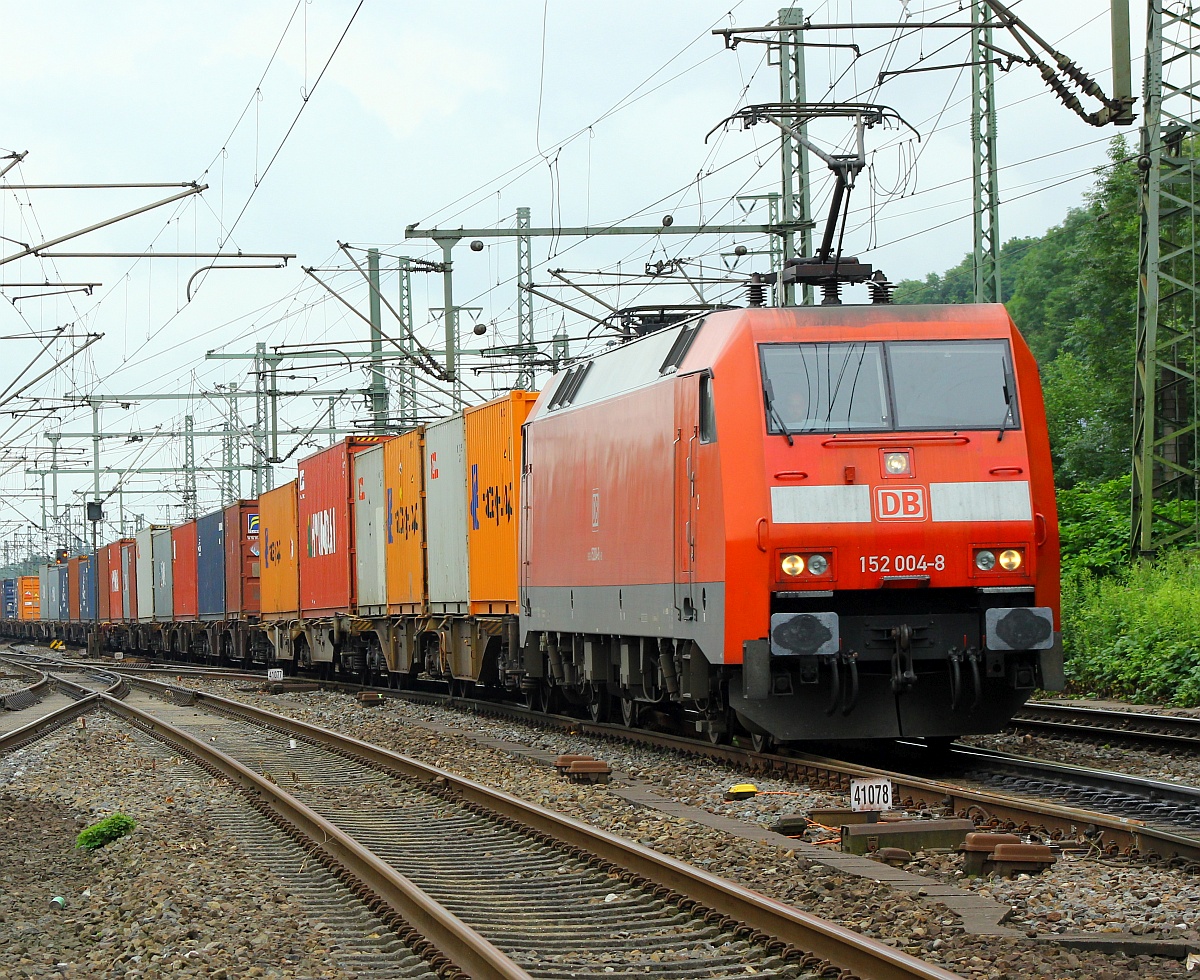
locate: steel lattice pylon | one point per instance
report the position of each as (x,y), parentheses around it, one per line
(983,153)
(794,206)
(526,379)
(1166,411)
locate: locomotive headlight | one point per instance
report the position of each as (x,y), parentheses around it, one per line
(985,561)
(897,464)
(818,564)
(792,565)
(1010,559)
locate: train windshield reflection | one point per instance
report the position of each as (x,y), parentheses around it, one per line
(879,387)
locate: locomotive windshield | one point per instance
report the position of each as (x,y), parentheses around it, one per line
(889,386)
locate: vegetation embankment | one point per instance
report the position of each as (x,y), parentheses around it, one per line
(1130,631)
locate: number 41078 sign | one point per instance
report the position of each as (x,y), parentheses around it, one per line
(870,794)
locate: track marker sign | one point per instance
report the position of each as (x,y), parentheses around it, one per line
(870,794)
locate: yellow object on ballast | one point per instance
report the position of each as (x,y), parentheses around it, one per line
(742,791)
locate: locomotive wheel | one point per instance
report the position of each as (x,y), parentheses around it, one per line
(631,713)
(762,743)
(717,738)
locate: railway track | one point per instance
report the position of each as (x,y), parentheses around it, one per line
(1103,810)
(1168,732)
(533,893)
(1159,804)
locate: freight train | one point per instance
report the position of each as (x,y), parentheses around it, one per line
(828,522)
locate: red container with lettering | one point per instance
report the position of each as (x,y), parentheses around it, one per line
(116,587)
(184,590)
(324,502)
(242,561)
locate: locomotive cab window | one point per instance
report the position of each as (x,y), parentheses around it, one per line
(824,388)
(962,384)
(898,385)
(708,417)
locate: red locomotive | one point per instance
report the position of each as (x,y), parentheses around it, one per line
(812,523)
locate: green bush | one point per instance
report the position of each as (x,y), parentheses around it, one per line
(105,832)
(1134,634)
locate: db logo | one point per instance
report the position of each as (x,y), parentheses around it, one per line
(900,503)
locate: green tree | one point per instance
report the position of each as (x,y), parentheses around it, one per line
(1073,293)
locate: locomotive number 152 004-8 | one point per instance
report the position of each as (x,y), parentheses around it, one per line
(902,563)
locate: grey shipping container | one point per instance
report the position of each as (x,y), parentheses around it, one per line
(8,598)
(63,597)
(129,581)
(370,532)
(164,597)
(210,566)
(146,596)
(47,585)
(446,514)
(87,589)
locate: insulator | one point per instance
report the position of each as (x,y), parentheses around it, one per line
(880,289)
(831,292)
(757,291)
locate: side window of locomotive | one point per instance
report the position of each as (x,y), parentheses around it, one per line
(708,416)
(953,384)
(824,387)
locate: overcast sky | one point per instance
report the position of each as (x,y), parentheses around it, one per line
(325,121)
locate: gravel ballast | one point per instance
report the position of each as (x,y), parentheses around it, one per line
(175,898)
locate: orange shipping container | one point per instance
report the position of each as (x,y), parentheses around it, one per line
(493,488)
(280,579)
(404,490)
(29,597)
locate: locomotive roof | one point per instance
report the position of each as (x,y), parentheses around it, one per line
(638,363)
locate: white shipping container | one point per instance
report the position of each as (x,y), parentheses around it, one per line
(446,514)
(47,593)
(164,597)
(144,550)
(370,532)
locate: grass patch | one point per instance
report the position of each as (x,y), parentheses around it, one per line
(105,832)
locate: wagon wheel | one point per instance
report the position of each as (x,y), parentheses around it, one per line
(543,698)
(598,704)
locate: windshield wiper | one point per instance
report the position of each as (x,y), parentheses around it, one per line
(1007,402)
(769,398)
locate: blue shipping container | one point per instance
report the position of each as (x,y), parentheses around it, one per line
(62,595)
(8,598)
(210,566)
(87,589)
